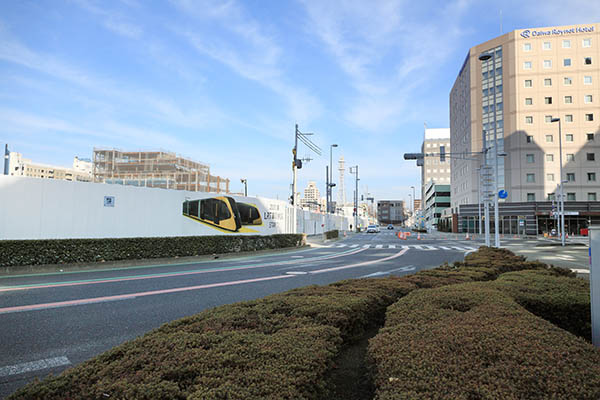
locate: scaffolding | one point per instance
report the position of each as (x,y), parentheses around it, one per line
(159,169)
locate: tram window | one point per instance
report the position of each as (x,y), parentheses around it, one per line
(208,210)
(223,211)
(193,208)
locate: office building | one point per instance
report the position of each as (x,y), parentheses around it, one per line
(312,197)
(437,199)
(390,211)
(160,169)
(21,166)
(510,88)
(435,141)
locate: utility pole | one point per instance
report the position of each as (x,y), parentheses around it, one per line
(6,159)
(356,179)
(297,164)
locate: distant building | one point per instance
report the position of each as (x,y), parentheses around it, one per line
(434,169)
(21,166)
(417,204)
(437,198)
(390,211)
(160,169)
(312,197)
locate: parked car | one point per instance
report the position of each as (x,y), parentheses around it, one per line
(390,226)
(372,229)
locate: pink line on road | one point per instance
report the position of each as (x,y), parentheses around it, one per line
(133,295)
(362,264)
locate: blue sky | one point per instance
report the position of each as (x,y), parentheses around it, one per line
(224,82)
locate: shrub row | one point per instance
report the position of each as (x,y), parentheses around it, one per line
(332,234)
(474,341)
(62,251)
(278,347)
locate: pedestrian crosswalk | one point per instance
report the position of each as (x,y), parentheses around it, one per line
(423,247)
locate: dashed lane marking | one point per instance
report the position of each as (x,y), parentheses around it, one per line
(34,366)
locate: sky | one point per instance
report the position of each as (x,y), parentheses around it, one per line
(225,82)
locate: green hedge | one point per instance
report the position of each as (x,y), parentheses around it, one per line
(472,341)
(563,301)
(283,346)
(279,347)
(62,251)
(332,234)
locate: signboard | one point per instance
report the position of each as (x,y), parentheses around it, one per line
(109,201)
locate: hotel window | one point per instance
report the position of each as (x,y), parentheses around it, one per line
(550,177)
(551,196)
(569,118)
(548,118)
(587,80)
(549,139)
(590,137)
(587,43)
(528,101)
(589,117)
(550,157)
(587,60)
(567,62)
(527,65)
(526,46)
(530,158)
(529,119)
(592,196)
(547,63)
(548,100)
(530,196)
(571,176)
(566,44)
(571,196)
(590,156)
(548,82)
(568,99)
(587,98)
(568,81)
(569,138)
(528,83)
(529,139)
(570,157)
(547,46)
(530,178)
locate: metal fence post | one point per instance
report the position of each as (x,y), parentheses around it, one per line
(594,235)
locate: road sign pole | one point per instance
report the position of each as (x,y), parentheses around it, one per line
(594,237)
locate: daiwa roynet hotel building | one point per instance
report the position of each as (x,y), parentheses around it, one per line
(524,80)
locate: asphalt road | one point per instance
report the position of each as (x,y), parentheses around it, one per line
(52,321)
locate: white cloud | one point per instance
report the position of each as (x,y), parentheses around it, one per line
(249,51)
(113,21)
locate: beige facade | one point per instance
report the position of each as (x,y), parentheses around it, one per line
(534,75)
(21,166)
(433,169)
(312,197)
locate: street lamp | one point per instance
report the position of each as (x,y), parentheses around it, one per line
(245,182)
(485,57)
(562,199)
(413,199)
(330,183)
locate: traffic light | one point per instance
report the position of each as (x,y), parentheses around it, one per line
(442,153)
(413,156)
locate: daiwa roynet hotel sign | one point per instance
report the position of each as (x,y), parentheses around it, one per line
(527,33)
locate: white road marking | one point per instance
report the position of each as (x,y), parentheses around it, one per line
(418,247)
(366,246)
(354,245)
(458,248)
(392,246)
(444,248)
(379,246)
(430,247)
(34,366)
(580,271)
(297,273)
(297,257)
(341,245)
(361,264)
(381,273)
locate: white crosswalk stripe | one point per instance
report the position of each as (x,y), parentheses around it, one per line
(422,247)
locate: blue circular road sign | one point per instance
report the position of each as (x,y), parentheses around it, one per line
(503,194)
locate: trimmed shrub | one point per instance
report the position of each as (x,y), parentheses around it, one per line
(62,251)
(279,347)
(471,341)
(332,234)
(563,301)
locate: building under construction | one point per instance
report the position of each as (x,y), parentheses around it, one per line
(161,169)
